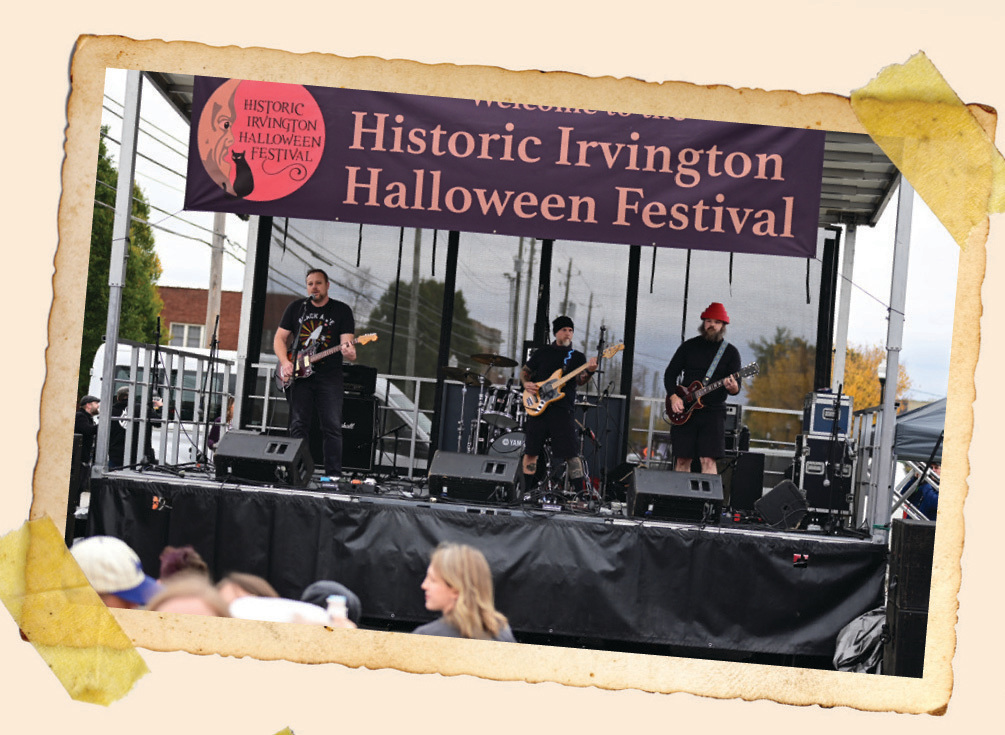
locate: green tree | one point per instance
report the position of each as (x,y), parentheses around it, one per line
(785,375)
(141,304)
(464,341)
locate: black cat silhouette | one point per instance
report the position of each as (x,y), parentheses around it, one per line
(244,180)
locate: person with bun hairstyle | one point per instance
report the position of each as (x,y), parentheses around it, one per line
(703,435)
(458,585)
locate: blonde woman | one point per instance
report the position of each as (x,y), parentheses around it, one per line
(458,584)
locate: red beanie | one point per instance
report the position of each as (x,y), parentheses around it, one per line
(716,311)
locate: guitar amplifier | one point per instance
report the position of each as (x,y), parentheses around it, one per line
(734,417)
(359,381)
(825,470)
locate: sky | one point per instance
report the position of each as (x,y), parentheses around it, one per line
(183,245)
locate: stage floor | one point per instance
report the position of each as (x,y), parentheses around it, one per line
(596,577)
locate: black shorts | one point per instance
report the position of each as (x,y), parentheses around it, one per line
(558,423)
(704,435)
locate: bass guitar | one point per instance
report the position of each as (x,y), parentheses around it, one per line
(691,395)
(548,392)
(303,365)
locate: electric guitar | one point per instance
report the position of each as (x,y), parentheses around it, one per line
(548,392)
(691,395)
(303,365)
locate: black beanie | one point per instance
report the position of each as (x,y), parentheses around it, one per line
(561,323)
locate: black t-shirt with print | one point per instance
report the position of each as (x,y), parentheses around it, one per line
(550,358)
(322,326)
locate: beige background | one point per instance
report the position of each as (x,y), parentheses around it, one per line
(778,45)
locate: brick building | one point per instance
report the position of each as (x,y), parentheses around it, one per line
(184,317)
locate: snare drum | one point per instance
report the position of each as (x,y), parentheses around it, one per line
(502,407)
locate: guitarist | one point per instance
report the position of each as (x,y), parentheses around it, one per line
(703,435)
(558,419)
(319,322)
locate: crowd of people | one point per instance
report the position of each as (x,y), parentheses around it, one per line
(457,585)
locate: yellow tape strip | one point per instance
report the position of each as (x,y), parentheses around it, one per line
(938,145)
(62,616)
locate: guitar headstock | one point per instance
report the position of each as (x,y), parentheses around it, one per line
(366,338)
(750,369)
(613,350)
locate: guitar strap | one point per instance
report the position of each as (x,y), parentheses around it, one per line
(715,361)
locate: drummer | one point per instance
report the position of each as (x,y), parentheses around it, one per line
(557,418)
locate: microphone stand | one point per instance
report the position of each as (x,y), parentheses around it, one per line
(832,449)
(207,378)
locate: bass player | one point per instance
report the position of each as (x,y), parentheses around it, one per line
(705,358)
(317,322)
(558,418)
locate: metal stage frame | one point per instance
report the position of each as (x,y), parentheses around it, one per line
(593,579)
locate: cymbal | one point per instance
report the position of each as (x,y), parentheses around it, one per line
(494,360)
(464,375)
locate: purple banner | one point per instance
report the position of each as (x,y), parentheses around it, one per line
(471,165)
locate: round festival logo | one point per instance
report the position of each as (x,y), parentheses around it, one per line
(260,141)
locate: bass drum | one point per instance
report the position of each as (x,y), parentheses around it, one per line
(509,444)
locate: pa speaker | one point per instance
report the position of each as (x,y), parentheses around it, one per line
(904,649)
(474,477)
(247,455)
(675,496)
(783,506)
(912,545)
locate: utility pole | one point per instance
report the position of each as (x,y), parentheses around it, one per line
(413,313)
(526,298)
(568,277)
(215,296)
(515,318)
(586,336)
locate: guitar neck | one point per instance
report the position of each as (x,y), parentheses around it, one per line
(331,350)
(713,386)
(565,378)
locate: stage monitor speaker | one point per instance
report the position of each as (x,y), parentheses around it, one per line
(359,416)
(742,480)
(247,455)
(475,477)
(912,545)
(783,506)
(691,497)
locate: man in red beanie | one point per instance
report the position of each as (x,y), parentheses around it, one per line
(703,435)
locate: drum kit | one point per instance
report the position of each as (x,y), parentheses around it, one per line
(499,412)
(498,428)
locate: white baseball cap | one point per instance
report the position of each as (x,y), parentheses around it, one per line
(113,568)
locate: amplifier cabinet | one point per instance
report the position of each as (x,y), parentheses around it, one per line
(359,417)
(820,411)
(825,470)
(734,418)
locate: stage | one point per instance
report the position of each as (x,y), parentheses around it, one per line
(587,579)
